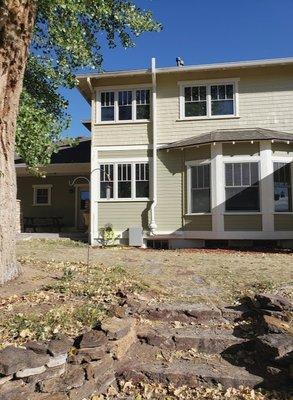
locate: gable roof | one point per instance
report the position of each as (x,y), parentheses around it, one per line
(231,135)
(80,153)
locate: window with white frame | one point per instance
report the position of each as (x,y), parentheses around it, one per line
(129,180)
(42,195)
(106,181)
(200,193)
(242,186)
(124,105)
(282,187)
(208,100)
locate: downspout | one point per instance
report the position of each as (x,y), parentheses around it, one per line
(153,225)
(92,203)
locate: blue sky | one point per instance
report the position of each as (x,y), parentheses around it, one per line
(200,31)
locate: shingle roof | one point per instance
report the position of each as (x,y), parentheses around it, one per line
(230,135)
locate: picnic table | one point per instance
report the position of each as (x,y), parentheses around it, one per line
(42,222)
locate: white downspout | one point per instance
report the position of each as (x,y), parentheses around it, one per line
(153,225)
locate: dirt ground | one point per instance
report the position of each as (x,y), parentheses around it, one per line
(67,286)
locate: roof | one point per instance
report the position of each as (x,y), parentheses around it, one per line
(80,153)
(85,89)
(231,135)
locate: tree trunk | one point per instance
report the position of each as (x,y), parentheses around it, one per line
(16,26)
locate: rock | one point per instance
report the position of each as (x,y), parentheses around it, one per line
(118,311)
(60,345)
(5,379)
(118,348)
(272,345)
(91,339)
(73,378)
(276,325)
(57,361)
(24,373)
(85,391)
(37,347)
(48,374)
(97,369)
(273,302)
(115,328)
(91,354)
(15,390)
(13,359)
(45,396)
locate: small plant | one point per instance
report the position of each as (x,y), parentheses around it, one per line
(107,235)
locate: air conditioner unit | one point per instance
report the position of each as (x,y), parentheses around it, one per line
(135,236)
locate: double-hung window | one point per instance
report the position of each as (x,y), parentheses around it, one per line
(242,186)
(200,193)
(282,187)
(124,105)
(124,181)
(42,195)
(106,181)
(208,100)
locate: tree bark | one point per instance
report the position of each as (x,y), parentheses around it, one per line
(16,26)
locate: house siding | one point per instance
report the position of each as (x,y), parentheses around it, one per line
(243,222)
(283,222)
(198,223)
(62,201)
(124,154)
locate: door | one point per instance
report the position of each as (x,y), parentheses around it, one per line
(83,207)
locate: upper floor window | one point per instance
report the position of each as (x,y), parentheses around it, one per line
(242,186)
(208,100)
(127,180)
(124,105)
(42,195)
(282,187)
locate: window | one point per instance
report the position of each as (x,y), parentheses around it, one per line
(42,195)
(208,100)
(200,189)
(282,187)
(142,104)
(195,101)
(125,105)
(129,180)
(124,181)
(107,106)
(106,181)
(222,99)
(242,186)
(142,180)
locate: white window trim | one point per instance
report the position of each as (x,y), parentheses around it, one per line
(208,84)
(117,89)
(242,159)
(115,162)
(35,187)
(189,165)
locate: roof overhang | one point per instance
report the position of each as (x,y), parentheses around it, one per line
(231,136)
(83,79)
(56,169)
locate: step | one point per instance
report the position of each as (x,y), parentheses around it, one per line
(211,341)
(191,374)
(182,312)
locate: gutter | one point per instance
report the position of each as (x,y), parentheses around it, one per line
(153,225)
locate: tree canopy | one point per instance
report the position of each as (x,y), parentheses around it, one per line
(67,37)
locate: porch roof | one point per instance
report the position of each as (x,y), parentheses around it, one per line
(230,135)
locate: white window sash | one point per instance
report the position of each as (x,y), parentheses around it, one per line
(189,165)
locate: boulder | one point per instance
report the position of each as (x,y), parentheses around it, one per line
(273,345)
(57,361)
(115,328)
(276,325)
(59,345)
(88,354)
(73,378)
(24,373)
(273,302)
(15,390)
(83,392)
(91,339)
(13,359)
(37,347)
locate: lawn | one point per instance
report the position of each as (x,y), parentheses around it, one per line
(66,286)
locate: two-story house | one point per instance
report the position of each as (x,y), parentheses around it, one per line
(193,154)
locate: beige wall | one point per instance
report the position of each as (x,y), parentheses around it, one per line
(283,222)
(243,222)
(62,201)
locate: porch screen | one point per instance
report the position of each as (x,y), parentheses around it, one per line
(242,187)
(282,187)
(200,189)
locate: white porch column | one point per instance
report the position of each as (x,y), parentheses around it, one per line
(94,196)
(217,187)
(266,186)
